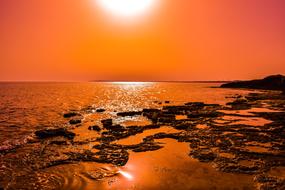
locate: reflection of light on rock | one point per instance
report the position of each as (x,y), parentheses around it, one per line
(126,175)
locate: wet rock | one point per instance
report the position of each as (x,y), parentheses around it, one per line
(100,110)
(94,128)
(204,114)
(146,127)
(70,114)
(47,133)
(59,142)
(116,128)
(263,178)
(118,157)
(238,101)
(147,147)
(203,155)
(100,173)
(195,104)
(236,168)
(151,114)
(74,121)
(165,135)
(107,123)
(130,113)
(240,104)
(273,116)
(150,110)
(176,110)
(86,156)
(166,118)
(183,126)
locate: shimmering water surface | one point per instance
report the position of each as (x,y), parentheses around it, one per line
(27,107)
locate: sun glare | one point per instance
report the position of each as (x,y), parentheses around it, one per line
(126,8)
(126,175)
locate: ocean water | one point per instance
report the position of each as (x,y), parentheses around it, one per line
(27,107)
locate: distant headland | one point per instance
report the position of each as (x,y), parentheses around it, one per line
(273,82)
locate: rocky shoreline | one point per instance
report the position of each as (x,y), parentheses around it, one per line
(215,134)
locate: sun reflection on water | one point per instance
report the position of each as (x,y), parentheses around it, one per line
(132,83)
(126,175)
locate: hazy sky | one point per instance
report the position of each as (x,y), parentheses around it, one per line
(175,40)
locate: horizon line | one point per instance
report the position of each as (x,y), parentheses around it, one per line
(109,81)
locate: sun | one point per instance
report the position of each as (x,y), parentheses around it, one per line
(127,8)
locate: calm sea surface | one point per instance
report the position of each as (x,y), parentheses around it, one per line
(27,107)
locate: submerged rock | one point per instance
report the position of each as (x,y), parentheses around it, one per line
(130,113)
(203,155)
(47,133)
(107,122)
(94,128)
(74,121)
(70,114)
(100,110)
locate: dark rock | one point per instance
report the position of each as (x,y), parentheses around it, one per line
(204,114)
(240,104)
(70,114)
(264,178)
(59,142)
(74,121)
(118,157)
(100,110)
(94,128)
(195,104)
(165,135)
(274,82)
(150,110)
(166,118)
(240,169)
(13,126)
(238,101)
(107,122)
(130,113)
(203,155)
(147,147)
(182,126)
(150,127)
(151,114)
(176,110)
(116,128)
(47,133)
(167,102)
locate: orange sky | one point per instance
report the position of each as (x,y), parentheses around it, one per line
(177,40)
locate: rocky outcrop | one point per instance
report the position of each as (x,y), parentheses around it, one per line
(47,133)
(274,82)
